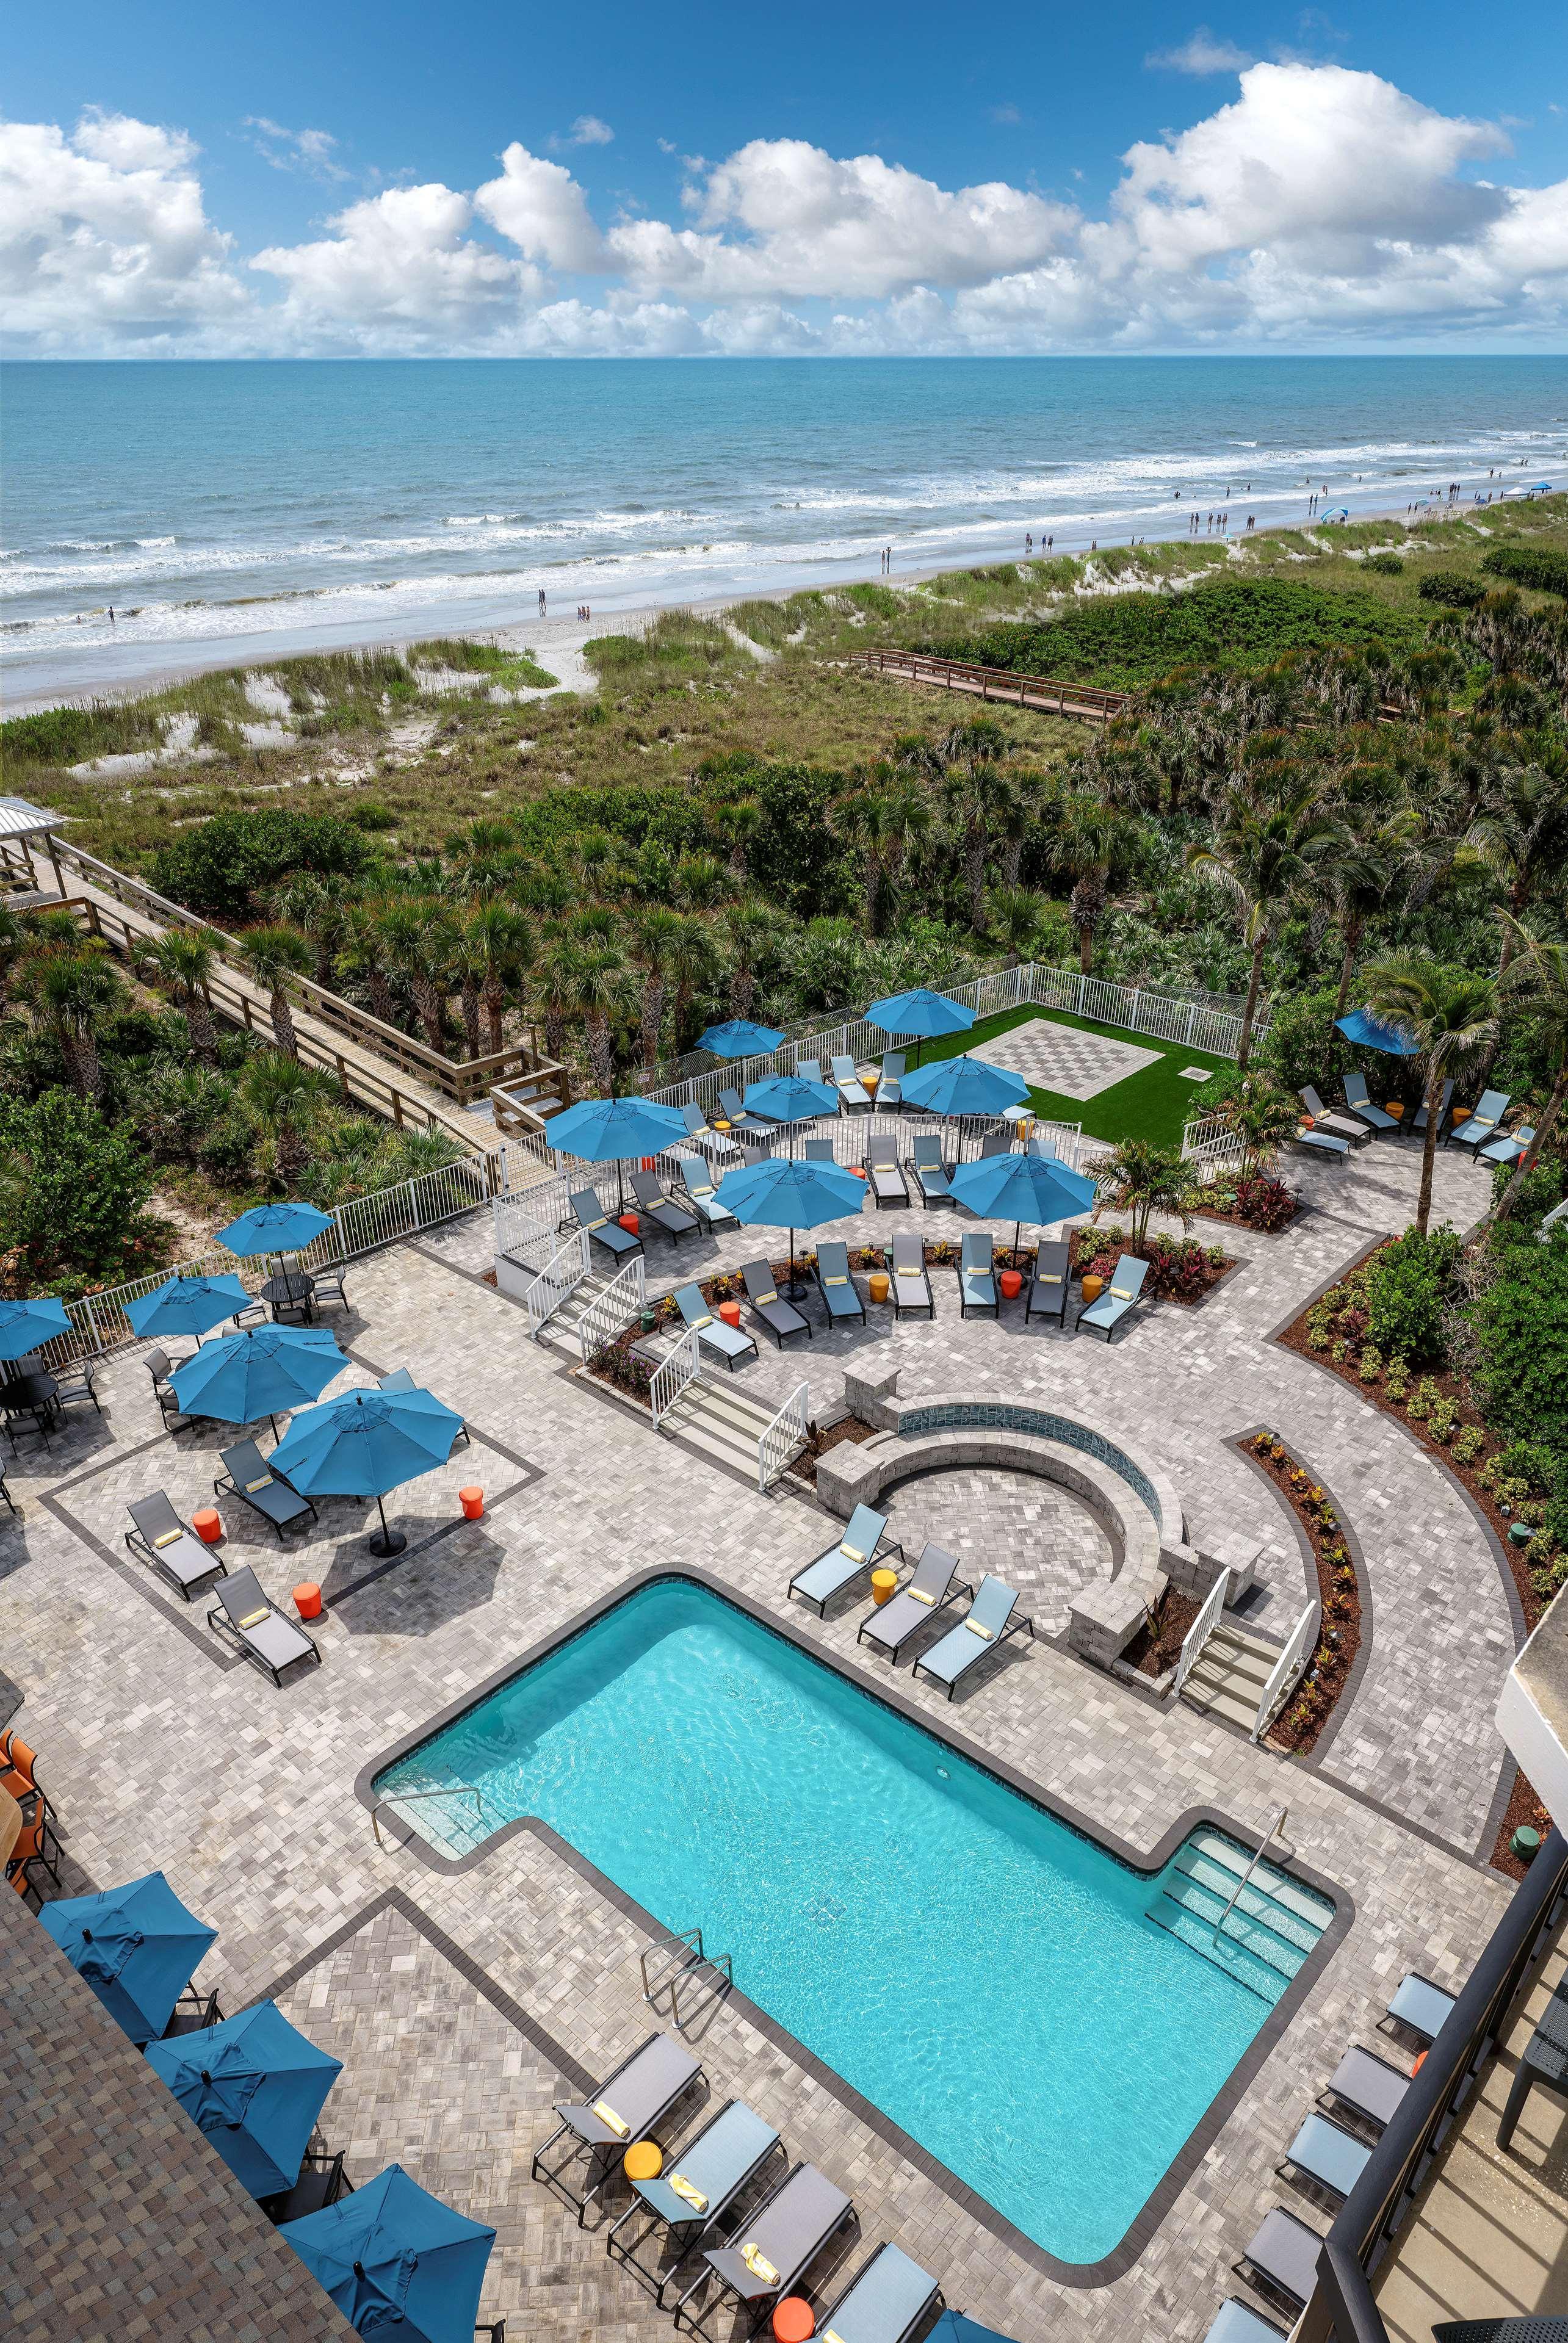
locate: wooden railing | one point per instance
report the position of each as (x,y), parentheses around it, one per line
(1084,700)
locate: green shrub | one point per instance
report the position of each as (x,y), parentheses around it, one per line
(1457,589)
(1468,1444)
(222,867)
(72,1190)
(1529,565)
(1523,1330)
(1391,565)
(1405,1288)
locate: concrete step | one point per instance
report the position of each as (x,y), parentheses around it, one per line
(725,1426)
(1218,1662)
(1254,1920)
(1223,1952)
(1229,1856)
(1217,1701)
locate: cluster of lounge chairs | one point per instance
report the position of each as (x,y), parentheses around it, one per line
(730,2227)
(1329,1132)
(933,1586)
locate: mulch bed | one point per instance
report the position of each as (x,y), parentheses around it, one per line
(831,1435)
(1310,1706)
(1152,1652)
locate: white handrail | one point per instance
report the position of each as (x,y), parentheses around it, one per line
(1203,1627)
(1275,1828)
(609,1313)
(673,1373)
(778,1441)
(554,1283)
(1287,1668)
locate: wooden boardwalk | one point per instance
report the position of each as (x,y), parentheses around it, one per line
(1085,703)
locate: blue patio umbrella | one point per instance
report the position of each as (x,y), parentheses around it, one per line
(255,2084)
(136,1946)
(1370,1032)
(274,1228)
(187,1305)
(256,1371)
(24,1325)
(614,1130)
(952,2327)
(1030,1187)
(739,1038)
(363,1443)
(784,1193)
(398,2263)
(791,1098)
(964,1085)
(921,1012)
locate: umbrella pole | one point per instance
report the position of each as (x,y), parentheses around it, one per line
(386,1542)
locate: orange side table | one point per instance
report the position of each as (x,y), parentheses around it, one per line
(472,1502)
(1092,1288)
(1396,1108)
(1011,1284)
(730,1312)
(307,1600)
(793,2320)
(207,1525)
(644,2160)
(629,1222)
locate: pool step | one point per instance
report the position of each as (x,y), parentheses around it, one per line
(1268,1930)
(721,1421)
(1304,1902)
(1232,1669)
(1223,1952)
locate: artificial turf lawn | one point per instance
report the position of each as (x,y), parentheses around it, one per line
(1153,1103)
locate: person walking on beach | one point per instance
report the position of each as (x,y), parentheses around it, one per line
(541,601)
(110,614)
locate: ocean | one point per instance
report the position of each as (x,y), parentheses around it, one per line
(231,512)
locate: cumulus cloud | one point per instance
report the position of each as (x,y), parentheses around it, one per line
(397,272)
(1203,53)
(588,130)
(540,208)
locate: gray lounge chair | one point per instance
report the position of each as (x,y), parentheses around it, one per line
(603,1227)
(698,1129)
(854,1098)
(1502,2330)
(1421,2007)
(1046,1296)
(1481,1126)
(911,1287)
(785,2235)
(711,2170)
(257,1624)
(737,1117)
(1444,1104)
(400,1379)
(995,1142)
(840,1295)
(930,1171)
(1328,2154)
(1322,1142)
(1359,1102)
(1120,1295)
(884,2302)
(862,1546)
(1235,2323)
(1282,2259)
(628,2104)
(991,1619)
(248,1477)
(889,1185)
(817,1150)
(704,1197)
(1509,1150)
(934,1585)
(810,1071)
(1369,2087)
(668,1218)
(732,1343)
(1343,1126)
(780,1318)
(161,1538)
(890,1088)
(977,1286)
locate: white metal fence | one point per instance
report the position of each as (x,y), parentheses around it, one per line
(557,1281)
(674,1373)
(778,1441)
(1287,1668)
(1213,1150)
(612,1310)
(1199,1632)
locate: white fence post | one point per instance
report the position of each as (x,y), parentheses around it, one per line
(778,1441)
(1287,1668)
(1199,1632)
(609,1313)
(680,1367)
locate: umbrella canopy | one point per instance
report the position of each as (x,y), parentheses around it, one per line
(255,2084)
(791,1098)
(1370,1032)
(256,1371)
(952,2327)
(274,1228)
(24,1325)
(610,1131)
(964,1085)
(136,1946)
(1030,1187)
(363,1443)
(187,1305)
(920,1012)
(397,2261)
(738,1039)
(784,1193)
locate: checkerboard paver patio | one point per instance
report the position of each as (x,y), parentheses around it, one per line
(1054,1057)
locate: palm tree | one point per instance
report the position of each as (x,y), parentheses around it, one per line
(1017,916)
(1521,831)
(701,879)
(497,944)
(556,977)
(693,963)
(76,990)
(1262,1114)
(654,935)
(739,823)
(317,905)
(289,1101)
(186,962)
(1144,1179)
(601,994)
(863,819)
(976,791)
(1260,856)
(363,955)
(1019,814)
(416,933)
(754,931)
(272,957)
(1538,978)
(1085,839)
(1362,871)
(1452,1015)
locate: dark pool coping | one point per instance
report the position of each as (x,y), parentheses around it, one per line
(1146,2223)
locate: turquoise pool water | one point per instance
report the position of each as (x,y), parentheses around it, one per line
(981,1973)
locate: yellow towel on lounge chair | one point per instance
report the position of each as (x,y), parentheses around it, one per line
(601,1223)
(835,1280)
(255,1618)
(770,1296)
(1048,1277)
(252,1486)
(851,1553)
(697,1325)
(607,2115)
(1122,1292)
(908,1270)
(169,1537)
(976,1629)
(690,2194)
(757,2263)
(919,1595)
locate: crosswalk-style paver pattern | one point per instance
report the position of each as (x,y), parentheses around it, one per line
(1054,1057)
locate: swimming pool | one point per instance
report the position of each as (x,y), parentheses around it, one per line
(989,1979)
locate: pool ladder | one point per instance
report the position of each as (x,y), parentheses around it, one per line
(679,1962)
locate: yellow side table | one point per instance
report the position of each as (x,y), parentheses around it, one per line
(877,1282)
(1093,1287)
(884,1583)
(870,1077)
(644,2160)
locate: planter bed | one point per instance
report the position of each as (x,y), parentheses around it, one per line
(1263,1203)
(1154,1652)
(1310,1706)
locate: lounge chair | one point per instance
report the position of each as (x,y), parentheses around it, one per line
(1508,1150)
(161,1538)
(934,1585)
(890,1088)
(771,2250)
(989,1622)
(1342,1126)
(713,1333)
(930,1173)
(1369,2087)
(1282,2259)
(884,2302)
(817,1150)
(248,1477)
(1235,2323)
(840,1295)
(912,1288)
(854,1098)
(977,1286)
(1360,1103)
(603,1228)
(668,1218)
(780,1318)
(735,1117)
(1322,1143)
(683,2203)
(809,1069)
(261,1630)
(704,1197)
(1421,2007)
(995,1142)
(1329,2157)
(889,1185)
(1444,1104)
(627,2106)
(702,1133)
(863,1543)
(1046,1296)
(1481,1127)
(1120,1296)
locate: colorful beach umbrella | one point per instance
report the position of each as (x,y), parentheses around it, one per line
(1030,1187)
(1370,1032)
(365,1443)
(397,2262)
(256,1371)
(786,1193)
(739,1038)
(24,1325)
(920,1012)
(966,1085)
(274,1228)
(615,1130)
(187,1305)
(255,2084)
(136,1947)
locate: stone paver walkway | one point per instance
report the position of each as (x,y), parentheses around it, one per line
(1041,1539)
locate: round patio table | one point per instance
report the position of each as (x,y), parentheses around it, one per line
(291,1289)
(32,1395)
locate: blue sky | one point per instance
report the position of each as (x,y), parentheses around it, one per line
(283,122)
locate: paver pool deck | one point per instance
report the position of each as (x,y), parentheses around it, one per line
(462,2002)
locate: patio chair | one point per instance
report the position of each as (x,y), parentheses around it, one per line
(1235,2323)
(713,1333)
(1369,2087)
(1481,1126)
(1047,1296)
(618,1242)
(854,1098)
(995,1142)
(684,2204)
(817,1150)
(401,1380)
(1444,1104)
(889,1185)
(1120,1296)
(6,1490)
(1282,2259)
(704,1197)
(161,1368)
(773,2247)
(780,1318)
(1360,1103)
(627,2106)
(912,1288)
(735,1117)
(885,2302)
(75,1381)
(161,1538)
(977,1286)
(1322,1143)
(1343,1126)
(890,1088)
(840,1295)
(862,1546)
(1329,2157)
(328,1285)
(991,1619)
(934,1585)
(322,2181)
(702,1132)
(262,1631)
(930,1171)
(246,1476)
(1420,2007)
(1508,1150)
(668,1218)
